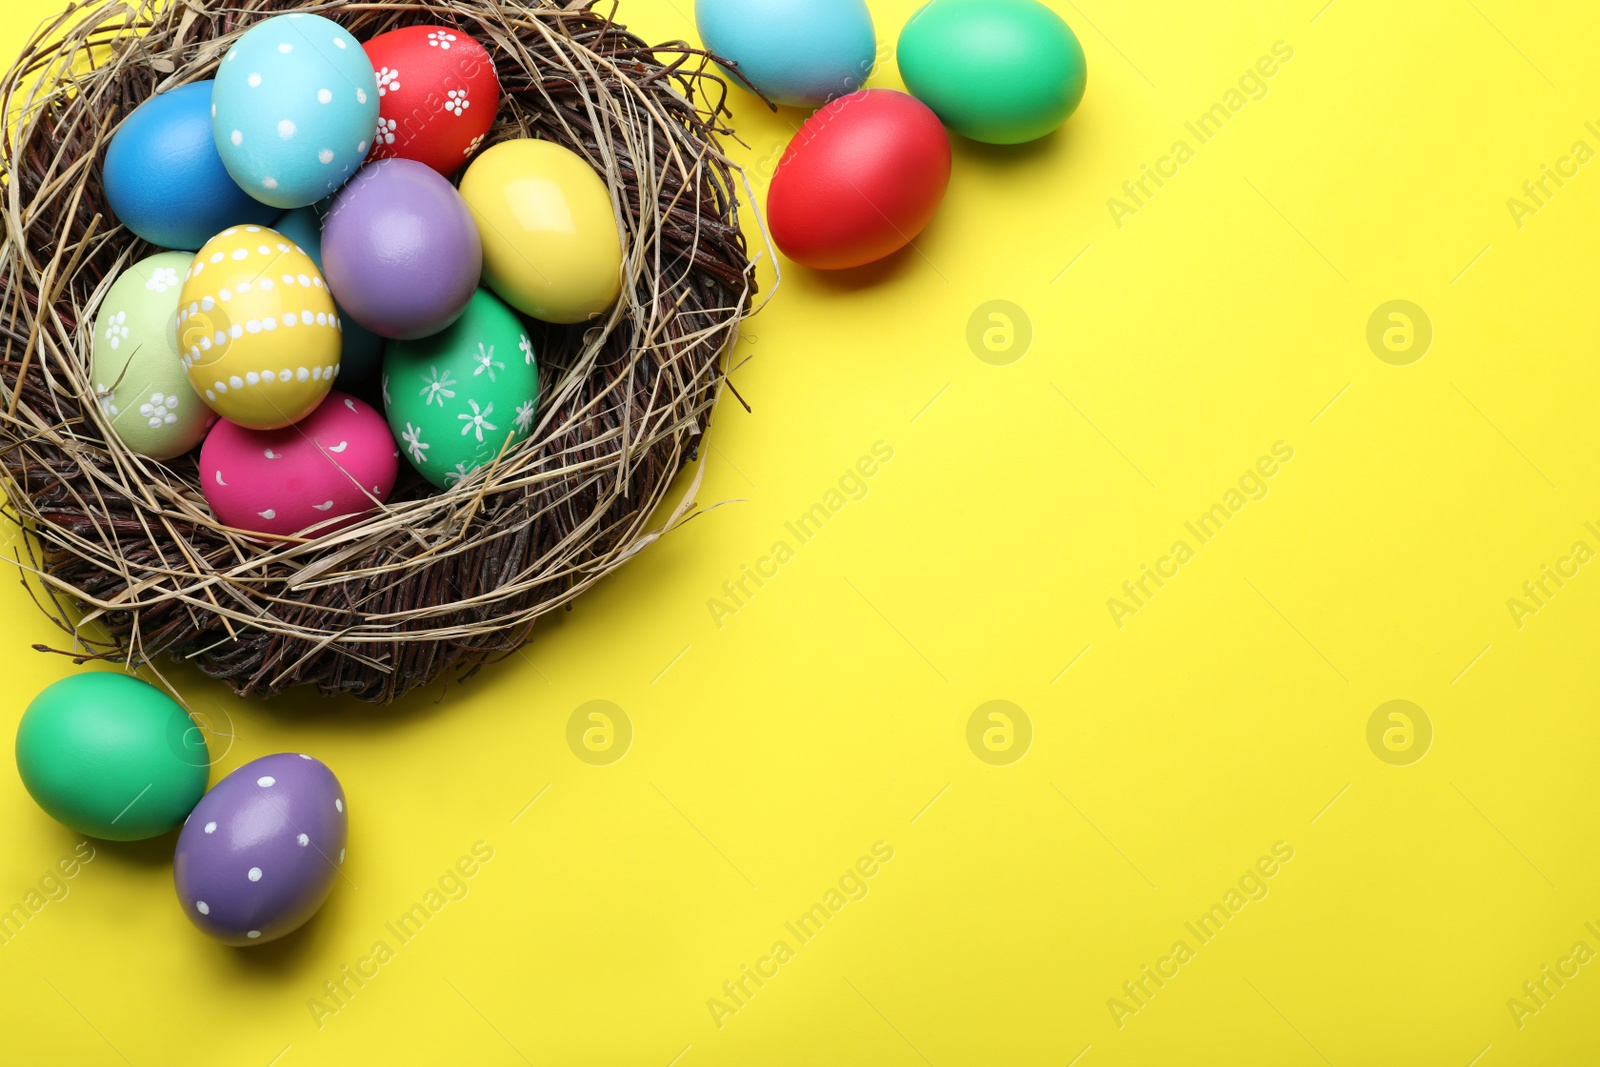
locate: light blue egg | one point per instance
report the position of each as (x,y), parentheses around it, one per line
(802,53)
(294,109)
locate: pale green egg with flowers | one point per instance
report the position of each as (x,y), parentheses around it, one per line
(134,367)
(460,398)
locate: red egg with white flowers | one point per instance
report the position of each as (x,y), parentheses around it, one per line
(437,96)
(863,177)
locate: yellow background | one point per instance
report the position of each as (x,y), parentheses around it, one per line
(831,711)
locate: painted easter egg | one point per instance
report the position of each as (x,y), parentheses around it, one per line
(1000,71)
(262,851)
(361,353)
(295,109)
(437,95)
(402,251)
(339,462)
(164,179)
(257,329)
(551,248)
(111,756)
(134,366)
(802,53)
(860,181)
(454,398)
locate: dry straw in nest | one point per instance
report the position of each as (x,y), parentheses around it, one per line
(435,583)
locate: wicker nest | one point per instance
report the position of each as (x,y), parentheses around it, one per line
(133,563)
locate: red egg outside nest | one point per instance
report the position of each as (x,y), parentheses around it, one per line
(860,181)
(437,96)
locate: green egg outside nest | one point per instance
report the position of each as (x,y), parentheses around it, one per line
(998,71)
(112,757)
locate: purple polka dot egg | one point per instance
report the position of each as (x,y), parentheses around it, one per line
(261,852)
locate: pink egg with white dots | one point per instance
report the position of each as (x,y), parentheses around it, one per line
(339,462)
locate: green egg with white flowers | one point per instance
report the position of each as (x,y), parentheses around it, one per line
(459,399)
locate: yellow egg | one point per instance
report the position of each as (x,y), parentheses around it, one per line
(257,329)
(551,248)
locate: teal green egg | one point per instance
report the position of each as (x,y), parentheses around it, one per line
(998,71)
(111,756)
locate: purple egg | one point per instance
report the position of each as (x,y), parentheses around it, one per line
(400,250)
(260,852)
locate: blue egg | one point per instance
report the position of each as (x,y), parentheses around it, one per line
(296,109)
(164,179)
(798,52)
(363,350)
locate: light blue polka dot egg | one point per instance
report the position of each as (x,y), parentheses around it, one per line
(294,109)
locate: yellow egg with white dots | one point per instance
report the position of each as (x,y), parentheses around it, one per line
(257,329)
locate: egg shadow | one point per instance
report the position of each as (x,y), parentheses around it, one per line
(284,957)
(866,277)
(742,99)
(148,854)
(1056,145)
(792,116)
